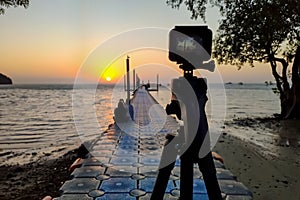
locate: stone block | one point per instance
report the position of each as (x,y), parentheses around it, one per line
(200,196)
(121,171)
(112,196)
(92,161)
(231,187)
(74,197)
(149,141)
(197,173)
(150,161)
(149,171)
(238,197)
(88,172)
(147,184)
(79,186)
(102,153)
(218,164)
(123,161)
(125,152)
(117,185)
(151,148)
(128,142)
(128,147)
(147,153)
(105,147)
(176,194)
(198,186)
(225,174)
(106,142)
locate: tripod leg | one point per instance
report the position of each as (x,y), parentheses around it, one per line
(162,182)
(207,167)
(168,155)
(186,178)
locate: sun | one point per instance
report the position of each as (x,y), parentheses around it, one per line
(108,79)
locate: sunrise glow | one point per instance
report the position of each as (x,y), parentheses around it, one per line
(108,79)
(55,50)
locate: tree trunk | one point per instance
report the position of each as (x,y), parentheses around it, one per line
(282,85)
(289,97)
(293,95)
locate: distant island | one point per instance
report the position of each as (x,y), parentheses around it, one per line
(5,80)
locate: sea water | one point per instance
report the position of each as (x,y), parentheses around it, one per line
(38,119)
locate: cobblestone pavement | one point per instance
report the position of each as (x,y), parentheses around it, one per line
(125,158)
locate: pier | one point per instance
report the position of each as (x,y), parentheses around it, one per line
(123,163)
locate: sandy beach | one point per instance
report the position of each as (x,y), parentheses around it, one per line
(36,179)
(268,176)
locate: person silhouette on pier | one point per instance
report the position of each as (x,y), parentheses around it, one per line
(121,112)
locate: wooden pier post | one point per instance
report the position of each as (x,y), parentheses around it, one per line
(128,79)
(134,87)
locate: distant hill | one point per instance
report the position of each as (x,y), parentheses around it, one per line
(5,80)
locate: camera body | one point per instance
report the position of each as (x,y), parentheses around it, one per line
(190,45)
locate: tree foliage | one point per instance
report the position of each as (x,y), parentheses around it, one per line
(248,29)
(4,4)
(197,8)
(257,31)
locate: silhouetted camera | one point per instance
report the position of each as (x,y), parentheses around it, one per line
(191,45)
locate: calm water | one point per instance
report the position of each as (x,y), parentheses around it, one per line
(251,100)
(248,100)
(39,118)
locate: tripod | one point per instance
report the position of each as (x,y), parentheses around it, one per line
(193,138)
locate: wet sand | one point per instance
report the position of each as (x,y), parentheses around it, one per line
(36,179)
(273,175)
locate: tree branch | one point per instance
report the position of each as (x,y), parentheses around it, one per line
(4,4)
(284,63)
(296,67)
(276,76)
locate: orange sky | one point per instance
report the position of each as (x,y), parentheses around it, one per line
(47,43)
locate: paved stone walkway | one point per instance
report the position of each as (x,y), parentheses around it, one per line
(124,161)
